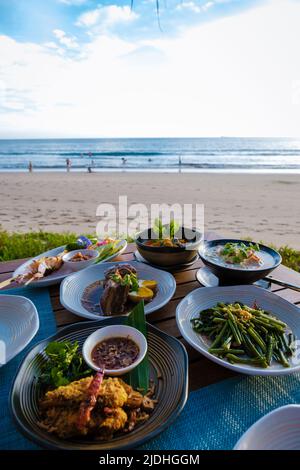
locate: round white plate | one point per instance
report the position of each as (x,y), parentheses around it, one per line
(64,271)
(206,297)
(72,288)
(19,323)
(278,430)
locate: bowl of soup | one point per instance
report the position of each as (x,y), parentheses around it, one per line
(238,261)
(179,249)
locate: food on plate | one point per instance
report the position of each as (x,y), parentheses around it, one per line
(47,265)
(166,242)
(121,284)
(115,353)
(95,407)
(80,257)
(40,268)
(142,293)
(149,284)
(106,248)
(246,335)
(165,235)
(64,365)
(239,255)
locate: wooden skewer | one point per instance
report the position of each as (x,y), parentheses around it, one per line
(7,282)
(29,281)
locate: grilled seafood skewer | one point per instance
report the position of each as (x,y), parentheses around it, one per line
(87,406)
(38,269)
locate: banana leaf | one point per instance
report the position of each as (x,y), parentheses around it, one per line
(139,377)
(107,250)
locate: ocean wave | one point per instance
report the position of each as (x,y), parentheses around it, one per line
(169,155)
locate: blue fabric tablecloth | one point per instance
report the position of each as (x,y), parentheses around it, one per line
(216,416)
(10,438)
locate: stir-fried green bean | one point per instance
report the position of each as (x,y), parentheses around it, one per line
(245,335)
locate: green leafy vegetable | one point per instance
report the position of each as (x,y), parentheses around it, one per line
(167,230)
(107,250)
(238,330)
(130,280)
(73,246)
(64,364)
(238,252)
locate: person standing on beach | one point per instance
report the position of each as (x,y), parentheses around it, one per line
(68,164)
(30,167)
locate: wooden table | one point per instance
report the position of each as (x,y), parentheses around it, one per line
(202,372)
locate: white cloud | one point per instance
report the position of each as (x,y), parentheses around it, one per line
(107,16)
(194,7)
(189,6)
(208,5)
(68,41)
(73,2)
(234,76)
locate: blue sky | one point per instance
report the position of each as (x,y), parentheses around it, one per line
(35,20)
(88,69)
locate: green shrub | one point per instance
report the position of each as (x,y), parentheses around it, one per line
(290,257)
(25,245)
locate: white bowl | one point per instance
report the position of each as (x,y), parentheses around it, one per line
(19,323)
(115,331)
(78,265)
(278,430)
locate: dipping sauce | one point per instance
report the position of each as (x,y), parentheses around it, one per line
(115,353)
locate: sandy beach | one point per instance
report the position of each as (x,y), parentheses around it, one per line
(265,207)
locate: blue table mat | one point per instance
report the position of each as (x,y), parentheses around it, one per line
(216,416)
(10,438)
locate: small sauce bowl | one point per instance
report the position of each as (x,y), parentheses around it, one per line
(114,331)
(78,265)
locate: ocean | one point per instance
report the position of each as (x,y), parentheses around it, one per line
(167,154)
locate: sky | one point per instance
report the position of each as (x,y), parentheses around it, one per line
(202,68)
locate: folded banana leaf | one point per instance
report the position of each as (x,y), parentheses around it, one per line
(139,377)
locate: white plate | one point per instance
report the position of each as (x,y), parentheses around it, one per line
(19,323)
(206,297)
(278,430)
(64,271)
(72,288)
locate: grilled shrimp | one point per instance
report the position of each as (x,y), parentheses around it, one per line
(89,403)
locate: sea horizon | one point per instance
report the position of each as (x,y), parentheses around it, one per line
(186,154)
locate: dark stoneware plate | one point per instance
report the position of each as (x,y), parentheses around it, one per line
(168,370)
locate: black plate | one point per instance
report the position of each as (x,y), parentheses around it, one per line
(168,370)
(233,275)
(208,279)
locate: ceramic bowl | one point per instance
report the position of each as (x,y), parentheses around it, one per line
(168,256)
(79,265)
(115,331)
(278,430)
(235,275)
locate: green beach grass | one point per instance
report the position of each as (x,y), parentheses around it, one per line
(24,245)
